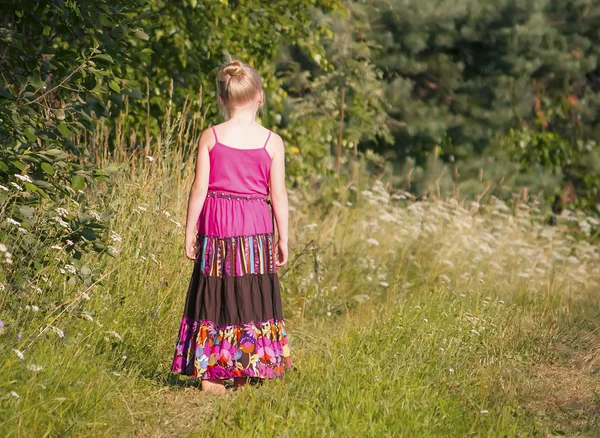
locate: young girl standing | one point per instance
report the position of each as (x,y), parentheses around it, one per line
(232,323)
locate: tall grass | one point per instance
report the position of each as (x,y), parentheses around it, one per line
(412,317)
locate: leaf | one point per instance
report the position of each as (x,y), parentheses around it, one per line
(114,86)
(26,211)
(141,35)
(47,168)
(64,130)
(89,234)
(18,165)
(135,93)
(77,182)
(105,57)
(37,82)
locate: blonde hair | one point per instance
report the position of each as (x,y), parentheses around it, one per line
(237,84)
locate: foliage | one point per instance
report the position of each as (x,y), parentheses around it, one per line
(578,163)
(62,63)
(335,101)
(471,69)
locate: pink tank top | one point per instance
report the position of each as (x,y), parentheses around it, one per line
(239,171)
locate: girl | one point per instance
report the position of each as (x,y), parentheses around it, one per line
(232,324)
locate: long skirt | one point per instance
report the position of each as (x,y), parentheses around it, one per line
(232,323)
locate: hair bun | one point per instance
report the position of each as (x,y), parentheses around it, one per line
(234,68)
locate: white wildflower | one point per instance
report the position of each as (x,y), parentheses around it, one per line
(4,188)
(3,247)
(384,284)
(16,185)
(85,296)
(24,178)
(445,278)
(14,394)
(70,242)
(115,334)
(115,237)
(72,269)
(61,222)
(150,158)
(372,242)
(12,221)
(35,368)
(56,247)
(485,411)
(95,215)
(58,331)
(62,211)
(19,354)
(451,370)
(22,230)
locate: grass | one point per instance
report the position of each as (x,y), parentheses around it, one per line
(429,317)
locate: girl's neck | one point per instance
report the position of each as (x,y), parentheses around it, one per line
(244,116)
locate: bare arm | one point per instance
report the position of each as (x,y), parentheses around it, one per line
(197,193)
(279,197)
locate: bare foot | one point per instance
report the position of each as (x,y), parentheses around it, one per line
(214,385)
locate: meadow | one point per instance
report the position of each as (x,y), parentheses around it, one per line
(406,317)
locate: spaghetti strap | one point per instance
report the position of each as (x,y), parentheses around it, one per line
(268,137)
(215,134)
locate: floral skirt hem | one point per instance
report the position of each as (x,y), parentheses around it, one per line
(256,349)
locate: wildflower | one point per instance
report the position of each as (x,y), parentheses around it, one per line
(56,247)
(372,242)
(445,278)
(384,284)
(12,221)
(23,178)
(35,368)
(58,331)
(150,158)
(14,394)
(61,222)
(62,211)
(70,242)
(85,296)
(95,215)
(72,269)
(19,354)
(3,247)
(485,411)
(16,185)
(4,188)
(22,230)
(115,334)
(451,370)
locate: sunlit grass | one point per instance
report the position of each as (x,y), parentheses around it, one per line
(406,317)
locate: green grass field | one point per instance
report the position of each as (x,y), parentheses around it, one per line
(437,317)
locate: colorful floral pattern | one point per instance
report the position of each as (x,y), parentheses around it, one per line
(254,349)
(236,256)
